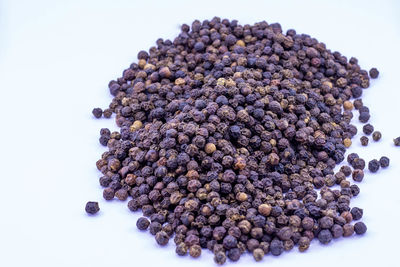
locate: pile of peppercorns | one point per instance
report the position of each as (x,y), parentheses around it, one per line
(229,136)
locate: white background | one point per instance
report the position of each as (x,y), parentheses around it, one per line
(56,58)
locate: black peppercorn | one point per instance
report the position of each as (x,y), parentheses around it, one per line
(373,73)
(384,162)
(97,112)
(142,223)
(396,141)
(373,165)
(376,136)
(368,129)
(92,207)
(360,228)
(364,140)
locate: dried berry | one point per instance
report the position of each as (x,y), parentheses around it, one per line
(97,112)
(376,136)
(360,228)
(142,223)
(384,162)
(358,175)
(373,165)
(258,254)
(195,251)
(162,238)
(357,213)
(325,236)
(396,141)
(373,73)
(368,129)
(92,207)
(364,140)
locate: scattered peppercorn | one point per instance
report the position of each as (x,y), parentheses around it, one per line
(357,213)
(360,228)
(364,140)
(373,73)
(368,129)
(373,165)
(376,136)
(195,251)
(226,135)
(384,162)
(396,141)
(92,207)
(97,112)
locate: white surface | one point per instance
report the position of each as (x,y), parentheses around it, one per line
(56,58)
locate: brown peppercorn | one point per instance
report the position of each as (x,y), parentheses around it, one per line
(348,105)
(181,249)
(97,112)
(358,175)
(348,230)
(210,148)
(162,238)
(364,140)
(258,254)
(108,193)
(347,142)
(195,251)
(373,73)
(304,243)
(376,136)
(264,209)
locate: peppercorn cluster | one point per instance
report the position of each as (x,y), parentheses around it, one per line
(229,136)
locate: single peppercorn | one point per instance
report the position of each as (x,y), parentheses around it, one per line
(373,73)
(258,254)
(220,258)
(97,112)
(364,140)
(195,251)
(358,175)
(347,142)
(181,249)
(368,129)
(142,223)
(360,228)
(373,165)
(92,207)
(357,213)
(162,238)
(396,141)
(376,136)
(348,230)
(325,236)
(384,162)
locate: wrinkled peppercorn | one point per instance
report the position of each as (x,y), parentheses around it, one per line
(373,73)
(360,228)
(373,165)
(142,223)
(97,112)
(368,129)
(358,175)
(92,207)
(364,140)
(376,136)
(396,141)
(384,162)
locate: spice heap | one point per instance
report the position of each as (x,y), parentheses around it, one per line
(229,136)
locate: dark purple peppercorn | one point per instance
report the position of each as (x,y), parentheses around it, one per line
(373,165)
(276,247)
(142,223)
(396,141)
(162,238)
(384,162)
(360,228)
(358,163)
(368,129)
(357,213)
(358,175)
(325,236)
(92,207)
(97,112)
(346,170)
(373,73)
